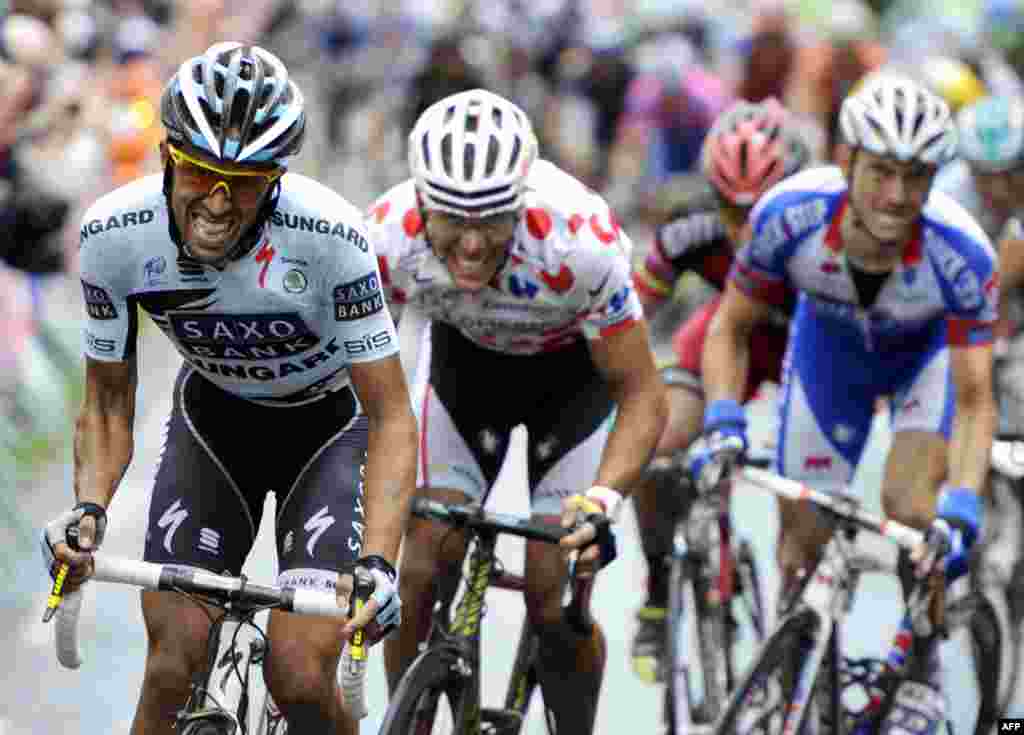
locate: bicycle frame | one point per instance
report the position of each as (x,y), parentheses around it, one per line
(223,692)
(457,635)
(828,591)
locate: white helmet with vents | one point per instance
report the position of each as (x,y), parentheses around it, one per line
(470,154)
(890,114)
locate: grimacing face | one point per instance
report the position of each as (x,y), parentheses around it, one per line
(212,209)
(472,249)
(889,194)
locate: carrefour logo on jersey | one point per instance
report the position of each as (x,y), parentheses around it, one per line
(358,298)
(242,336)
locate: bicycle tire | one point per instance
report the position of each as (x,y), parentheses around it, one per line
(751,588)
(987,636)
(687,597)
(783,646)
(429,679)
(524,680)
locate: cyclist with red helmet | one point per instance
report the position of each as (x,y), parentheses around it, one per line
(750,148)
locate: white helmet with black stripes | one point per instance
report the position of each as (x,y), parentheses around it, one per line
(470,154)
(890,114)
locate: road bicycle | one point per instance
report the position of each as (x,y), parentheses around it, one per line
(222,701)
(440,691)
(800,682)
(712,577)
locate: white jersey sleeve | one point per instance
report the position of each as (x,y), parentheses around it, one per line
(107,266)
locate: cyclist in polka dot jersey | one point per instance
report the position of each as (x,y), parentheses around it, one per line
(525,275)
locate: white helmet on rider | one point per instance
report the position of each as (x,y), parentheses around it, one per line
(892,115)
(470,154)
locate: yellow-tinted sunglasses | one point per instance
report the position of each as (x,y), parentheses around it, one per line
(247,185)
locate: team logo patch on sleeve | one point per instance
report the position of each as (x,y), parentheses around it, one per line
(98,303)
(358,298)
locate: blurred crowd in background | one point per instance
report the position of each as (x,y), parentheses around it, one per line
(621,93)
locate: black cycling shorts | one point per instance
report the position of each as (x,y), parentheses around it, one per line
(221,456)
(560,397)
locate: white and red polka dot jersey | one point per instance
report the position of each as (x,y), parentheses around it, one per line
(567,276)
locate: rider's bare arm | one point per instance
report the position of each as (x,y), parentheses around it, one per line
(625,360)
(726,357)
(976,415)
(103,432)
(391,453)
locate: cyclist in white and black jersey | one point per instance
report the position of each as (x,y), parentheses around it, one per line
(268,286)
(526,276)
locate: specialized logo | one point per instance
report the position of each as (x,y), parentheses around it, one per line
(98,303)
(358,298)
(242,336)
(125,219)
(317,526)
(172,519)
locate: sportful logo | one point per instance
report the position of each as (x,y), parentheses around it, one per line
(317,525)
(172,519)
(209,541)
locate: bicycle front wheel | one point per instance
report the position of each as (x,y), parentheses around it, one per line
(987,638)
(761,701)
(699,643)
(429,698)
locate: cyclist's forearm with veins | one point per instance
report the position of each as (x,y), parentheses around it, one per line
(726,360)
(103,446)
(389,485)
(973,428)
(639,421)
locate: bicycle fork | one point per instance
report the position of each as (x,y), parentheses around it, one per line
(828,595)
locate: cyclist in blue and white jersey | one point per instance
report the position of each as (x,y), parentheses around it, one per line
(267,285)
(898,293)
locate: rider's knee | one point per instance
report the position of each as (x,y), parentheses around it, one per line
(543,604)
(426,550)
(670,485)
(176,651)
(300,672)
(911,508)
